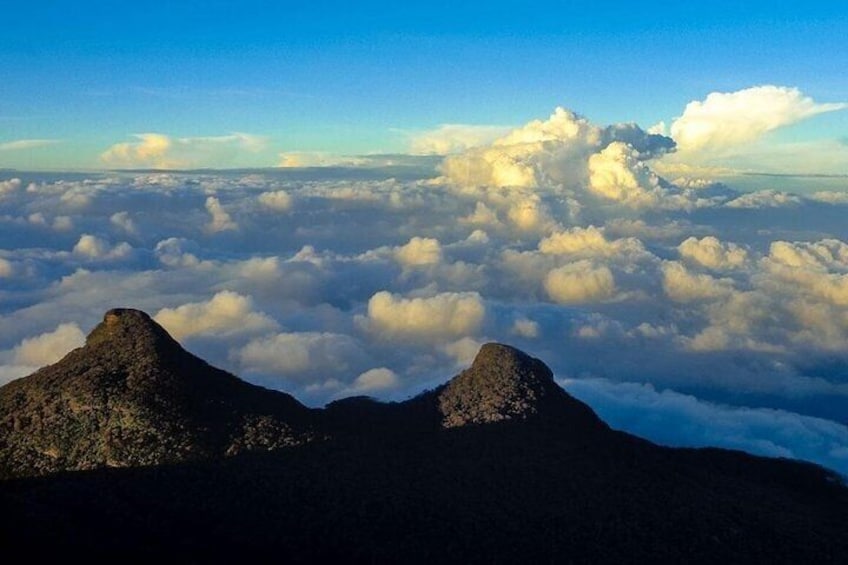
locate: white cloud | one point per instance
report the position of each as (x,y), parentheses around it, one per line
(226,313)
(220,218)
(454,138)
(764,199)
(123,221)
(27,144)
(6,268)
(711,253)
(278,200)
(526,328)
(302,355)
(580,282)
(588,242)
(48,347)
(681,285)
(616,173)
(440,317)
(418,252)
(671,418)
(727,119)
(160,151)
(96,249)
(10,186)
(373,380)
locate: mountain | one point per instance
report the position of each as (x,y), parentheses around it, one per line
(133,396)
(498,465)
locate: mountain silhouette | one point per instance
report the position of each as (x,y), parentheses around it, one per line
(498,465)
(133,396)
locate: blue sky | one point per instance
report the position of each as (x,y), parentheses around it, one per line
(332,78)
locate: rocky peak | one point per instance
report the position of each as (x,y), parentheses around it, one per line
(126,328)
(502,383)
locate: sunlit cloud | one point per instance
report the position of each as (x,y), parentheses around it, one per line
(454,138)
(26,144)
(727,119)
(160,151)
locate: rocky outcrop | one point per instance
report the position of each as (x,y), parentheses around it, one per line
(133,396)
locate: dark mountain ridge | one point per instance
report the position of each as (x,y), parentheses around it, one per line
(498,465)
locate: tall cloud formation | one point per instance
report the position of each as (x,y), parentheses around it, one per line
(721,315)
(727,119)
(557,150)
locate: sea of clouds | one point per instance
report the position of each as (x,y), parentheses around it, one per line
(680,309)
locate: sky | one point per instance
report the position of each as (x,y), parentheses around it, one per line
(333,202)
(80,77)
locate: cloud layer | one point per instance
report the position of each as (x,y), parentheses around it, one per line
(723,314)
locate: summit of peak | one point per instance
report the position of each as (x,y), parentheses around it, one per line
(504,383)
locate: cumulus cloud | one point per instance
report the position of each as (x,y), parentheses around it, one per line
(616,173)
(161,151)
(526,328)
(123,221)
(440,317)
(220,218)
(711,253)
(300,356)
(226,313)
(277,200)
(727,119)
(558,151)
(419,251)
(588,242)
(9,186)
(48,347)
(580,282)
(6,268)
(682,285)
(371,381)
(96,249)
(454,138)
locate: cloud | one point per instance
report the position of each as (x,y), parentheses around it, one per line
(93,248)
(557,151)
(123,221)
(9,186)
(48,347)
(525,328)
(522,157)
(226,313)
(6,268)
(671,418)
(728,119)
(580,282)
(418,252)
(440,317)
(27,144)
(371,381)
(588,242)
(277,200)
(681,285)
(711,253)
(220,220)
(616,173)
(454,138)
(160,151)
(300,356)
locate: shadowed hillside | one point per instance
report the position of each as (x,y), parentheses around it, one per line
(499,465)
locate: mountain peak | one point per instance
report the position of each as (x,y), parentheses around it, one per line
(127,327)
(504,383)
